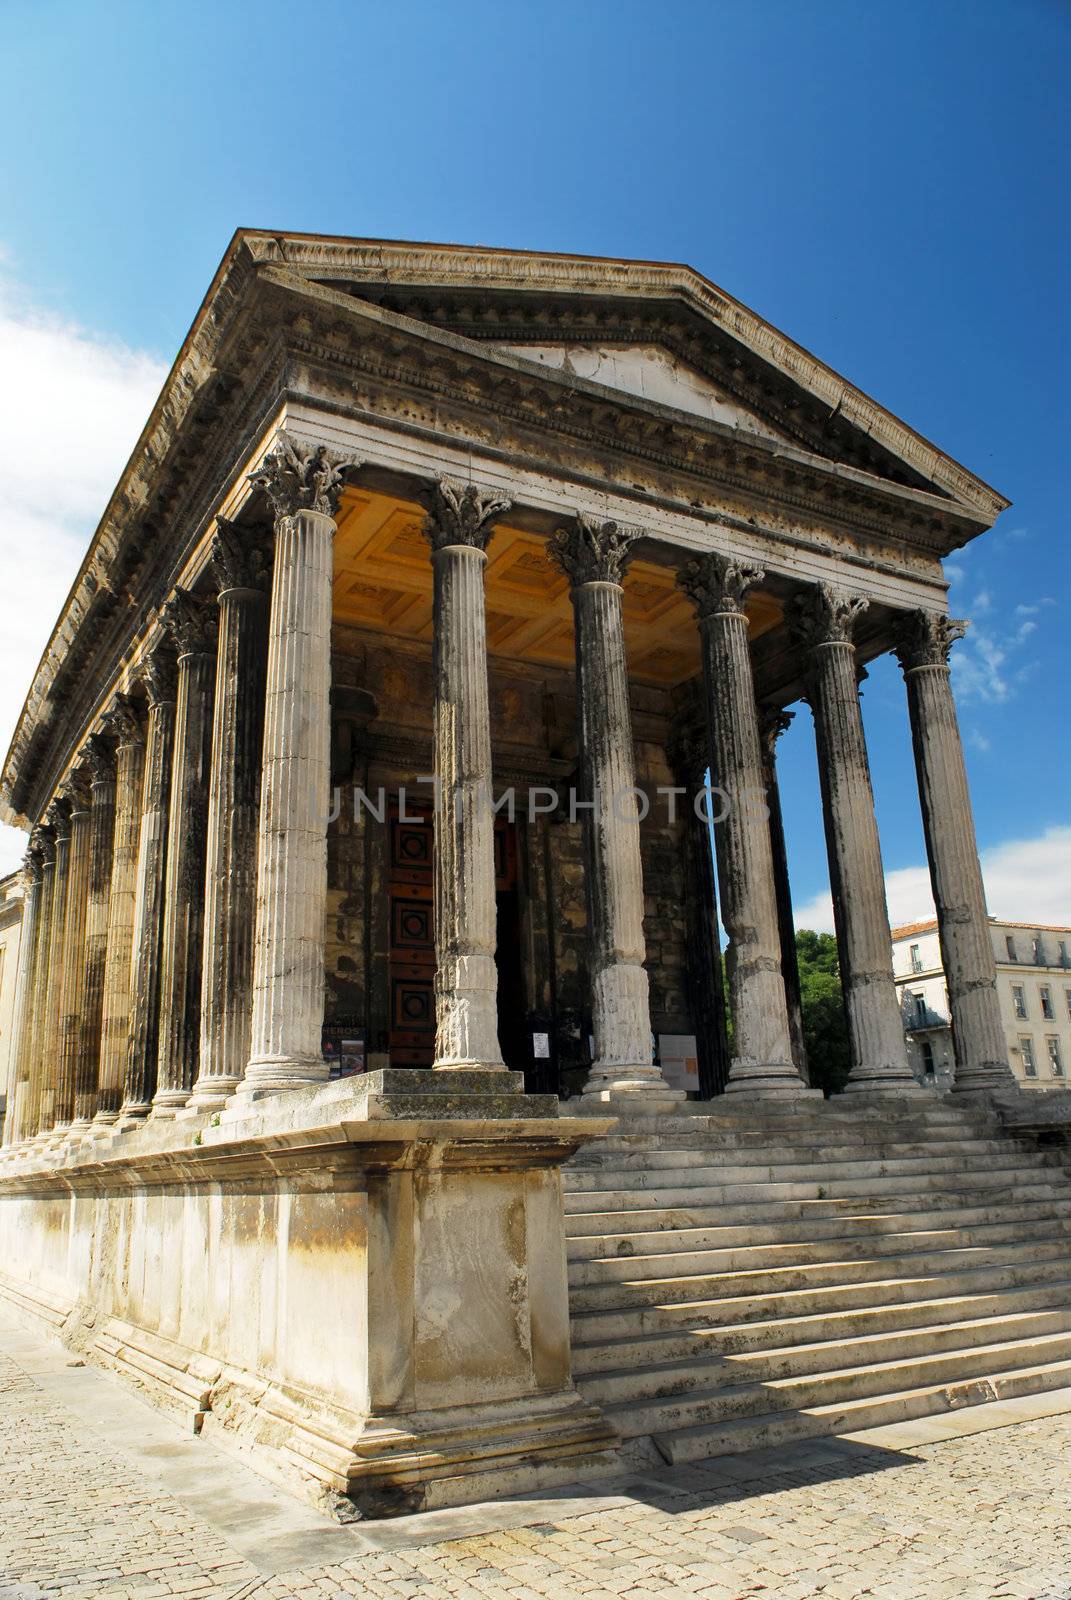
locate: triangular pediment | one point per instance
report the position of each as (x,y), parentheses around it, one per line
(652,373)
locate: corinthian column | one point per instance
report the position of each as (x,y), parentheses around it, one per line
(142,1044)
(823,623)
(593,555)
(125,723)
(240,568)
(101,840)
(51,1047)
(186,620)
(762,1063)
(21,1022)
(73,965)
(772,724)
(32,1123)
(466,981)
(304,486)
(925,639)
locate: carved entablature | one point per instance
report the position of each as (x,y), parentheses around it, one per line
(239,558)
(716,584)
(824,615)
(301,477)
(925,638)
(188,623)
(590,551)
(158,674)
(122,721)
(462,513)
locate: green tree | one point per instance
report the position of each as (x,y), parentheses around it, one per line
(825,1029)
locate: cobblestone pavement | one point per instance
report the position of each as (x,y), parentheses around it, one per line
(101,1497)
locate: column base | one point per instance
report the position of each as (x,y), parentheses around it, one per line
(274,1074)
(626,1090)
(987,1077)
(882,1080)
(132,1115)
(210,1094)
(167,1104)
(769,1080)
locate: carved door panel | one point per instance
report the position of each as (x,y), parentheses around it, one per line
(412,941)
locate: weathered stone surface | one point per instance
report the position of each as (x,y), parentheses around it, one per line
(126,724)
(101,758)
(762,1047)
(925,640)
(772,723)
(16,1120)
(823,623)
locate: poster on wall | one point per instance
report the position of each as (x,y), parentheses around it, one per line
(343,1047)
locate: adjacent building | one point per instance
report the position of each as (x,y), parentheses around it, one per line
(1033,968)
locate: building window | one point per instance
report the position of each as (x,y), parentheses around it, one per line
(1068,994)
(1046,1003)
(1039,954)
(1056,1066)
(1019,999)
(1010,942)
(920,1007)
(1063,953)
(1030,1066)
(927,1058)
(916,959)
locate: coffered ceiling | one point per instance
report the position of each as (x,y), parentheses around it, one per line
(383,582)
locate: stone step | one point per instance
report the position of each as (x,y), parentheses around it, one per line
(688,1260)
(656,1347)
(666,1154)
(1021,1199)
(842,1417)
(709,1371)
(805,1274)
(635,1418)
(804,1181)
(694,1188)
(632,1320)
(801,1233)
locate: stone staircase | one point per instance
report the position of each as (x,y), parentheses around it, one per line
(742,1278)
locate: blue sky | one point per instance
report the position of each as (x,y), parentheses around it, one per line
(887,182)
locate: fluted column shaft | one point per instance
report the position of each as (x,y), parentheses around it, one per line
(233,803)
(594,557)
(32,1119)
(22,1020)
(51,1044)
(978,1036)
(73,965)
(762,1059)
(466,979)
(101,841)
(116,1006)
(180,982)
(705,974)
(824,623)
(303,485)
(770,728)
(149,895)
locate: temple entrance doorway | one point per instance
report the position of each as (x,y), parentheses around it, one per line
(412,940)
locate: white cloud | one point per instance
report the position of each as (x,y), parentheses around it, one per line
(982,602)
(71,407)
(1026,880)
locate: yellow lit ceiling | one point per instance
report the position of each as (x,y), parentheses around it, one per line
(383,583)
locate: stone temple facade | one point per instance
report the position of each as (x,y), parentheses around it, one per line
(375,734)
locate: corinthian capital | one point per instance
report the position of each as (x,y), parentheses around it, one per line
(58,817)
(43,844)
(716,584)
(158,676)
(588,551)
(188,623)
(924,638)
(123,720)
(302,477)
(773,722)
(825,615)
(462,514)
(99,757)
(239,560)
(75,786)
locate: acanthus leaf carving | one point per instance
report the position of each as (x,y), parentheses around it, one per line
(188,622)
(158,673)
(925,638)
(716,584)
(123,720)
(590,551)
(301,477)
(238,557)
(825,615)
(99,757)
(462,513)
